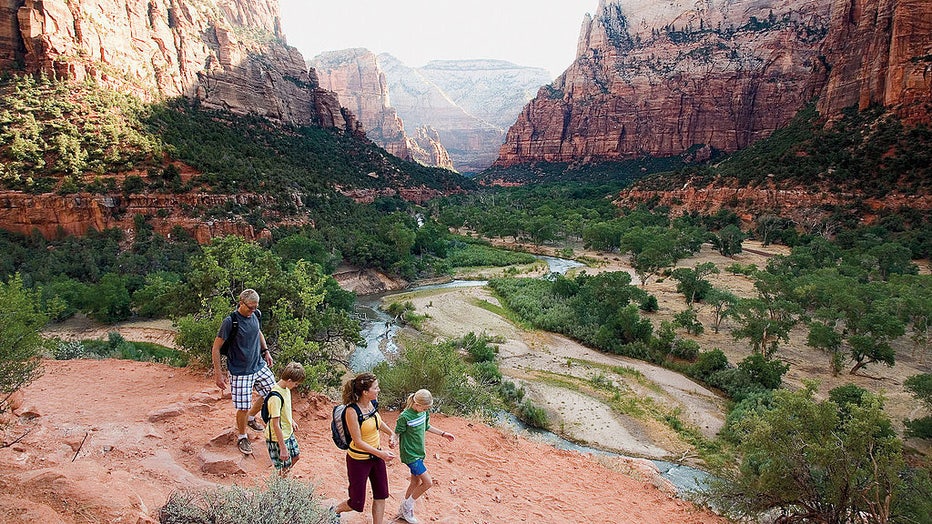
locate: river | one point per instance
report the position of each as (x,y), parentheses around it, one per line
(379,331)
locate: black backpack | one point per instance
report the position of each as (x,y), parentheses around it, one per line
(265,406)
(341,435)
(225,348)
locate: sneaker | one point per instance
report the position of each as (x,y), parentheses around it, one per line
(408,513)
(244,446)
(255,424)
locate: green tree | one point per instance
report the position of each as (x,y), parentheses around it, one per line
(21,342)
(692,282)
(721,301)
(826,338)
(728,240)
(815,462)
(760,327)
(920,386)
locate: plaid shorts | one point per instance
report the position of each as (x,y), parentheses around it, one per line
(241,387)
(291,444)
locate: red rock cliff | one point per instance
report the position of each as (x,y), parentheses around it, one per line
(881,54)
(229,54)
(655,78)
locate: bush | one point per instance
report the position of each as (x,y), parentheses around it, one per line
(708,363)
(479,348)
(280,500)
(532,415)
(67,350)
(685,349)
(649,304)
(439,368)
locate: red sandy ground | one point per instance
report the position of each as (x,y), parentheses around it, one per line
(95,455)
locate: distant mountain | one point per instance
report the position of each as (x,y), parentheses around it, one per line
(660,79)
(357,79)
(470,103)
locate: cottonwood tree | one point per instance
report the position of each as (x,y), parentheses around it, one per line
(721,301)
(765,324)
(920,386)
(692,283)
(811,461)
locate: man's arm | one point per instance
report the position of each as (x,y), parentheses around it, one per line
(219,376)
(264,349)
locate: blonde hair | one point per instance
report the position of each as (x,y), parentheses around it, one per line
(421,397)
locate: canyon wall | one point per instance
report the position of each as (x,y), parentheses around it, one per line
(657,78)
(228,54)
(880,52)
(357,79)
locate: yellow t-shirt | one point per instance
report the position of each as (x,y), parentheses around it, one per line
(280,409)
(370,433)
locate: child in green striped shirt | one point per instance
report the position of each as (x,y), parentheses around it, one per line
(411,427)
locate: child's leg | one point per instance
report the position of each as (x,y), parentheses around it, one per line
(420,484)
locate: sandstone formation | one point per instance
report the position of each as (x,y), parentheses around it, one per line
(228,54)
(659,78)
(469,103)
(355,76)
(881,53)
(656,78)
(810,210)
(53,215)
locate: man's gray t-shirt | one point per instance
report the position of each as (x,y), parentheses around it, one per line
(243,356)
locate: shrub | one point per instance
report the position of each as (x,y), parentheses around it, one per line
(708,363)
(439,368)
(479,348)
(532,415)
(685,349)
(280,500)
(649,304)
(67,350)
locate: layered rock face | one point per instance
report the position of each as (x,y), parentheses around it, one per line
(469,103)
(881,53)
(229,54)
(355,76)
(654,77)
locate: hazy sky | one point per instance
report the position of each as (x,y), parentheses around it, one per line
(525,32)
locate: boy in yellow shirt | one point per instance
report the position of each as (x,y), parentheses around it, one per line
(279,432)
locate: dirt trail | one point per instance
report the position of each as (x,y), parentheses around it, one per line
(109,440)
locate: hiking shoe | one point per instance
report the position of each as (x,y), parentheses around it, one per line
(244,446)
(408,513)
(254,424)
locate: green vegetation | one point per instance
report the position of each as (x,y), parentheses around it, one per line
(21,344)
(117,347)
(868,151)
(829,461)
(459,387)
(279,500)
(921,388)
(80,137)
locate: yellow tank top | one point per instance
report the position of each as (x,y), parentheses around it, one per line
(370,434)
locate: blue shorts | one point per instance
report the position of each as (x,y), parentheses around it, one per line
(291,444)
(417,467)
(241,387)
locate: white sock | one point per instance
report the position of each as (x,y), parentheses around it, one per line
(252,417)
(245,436)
